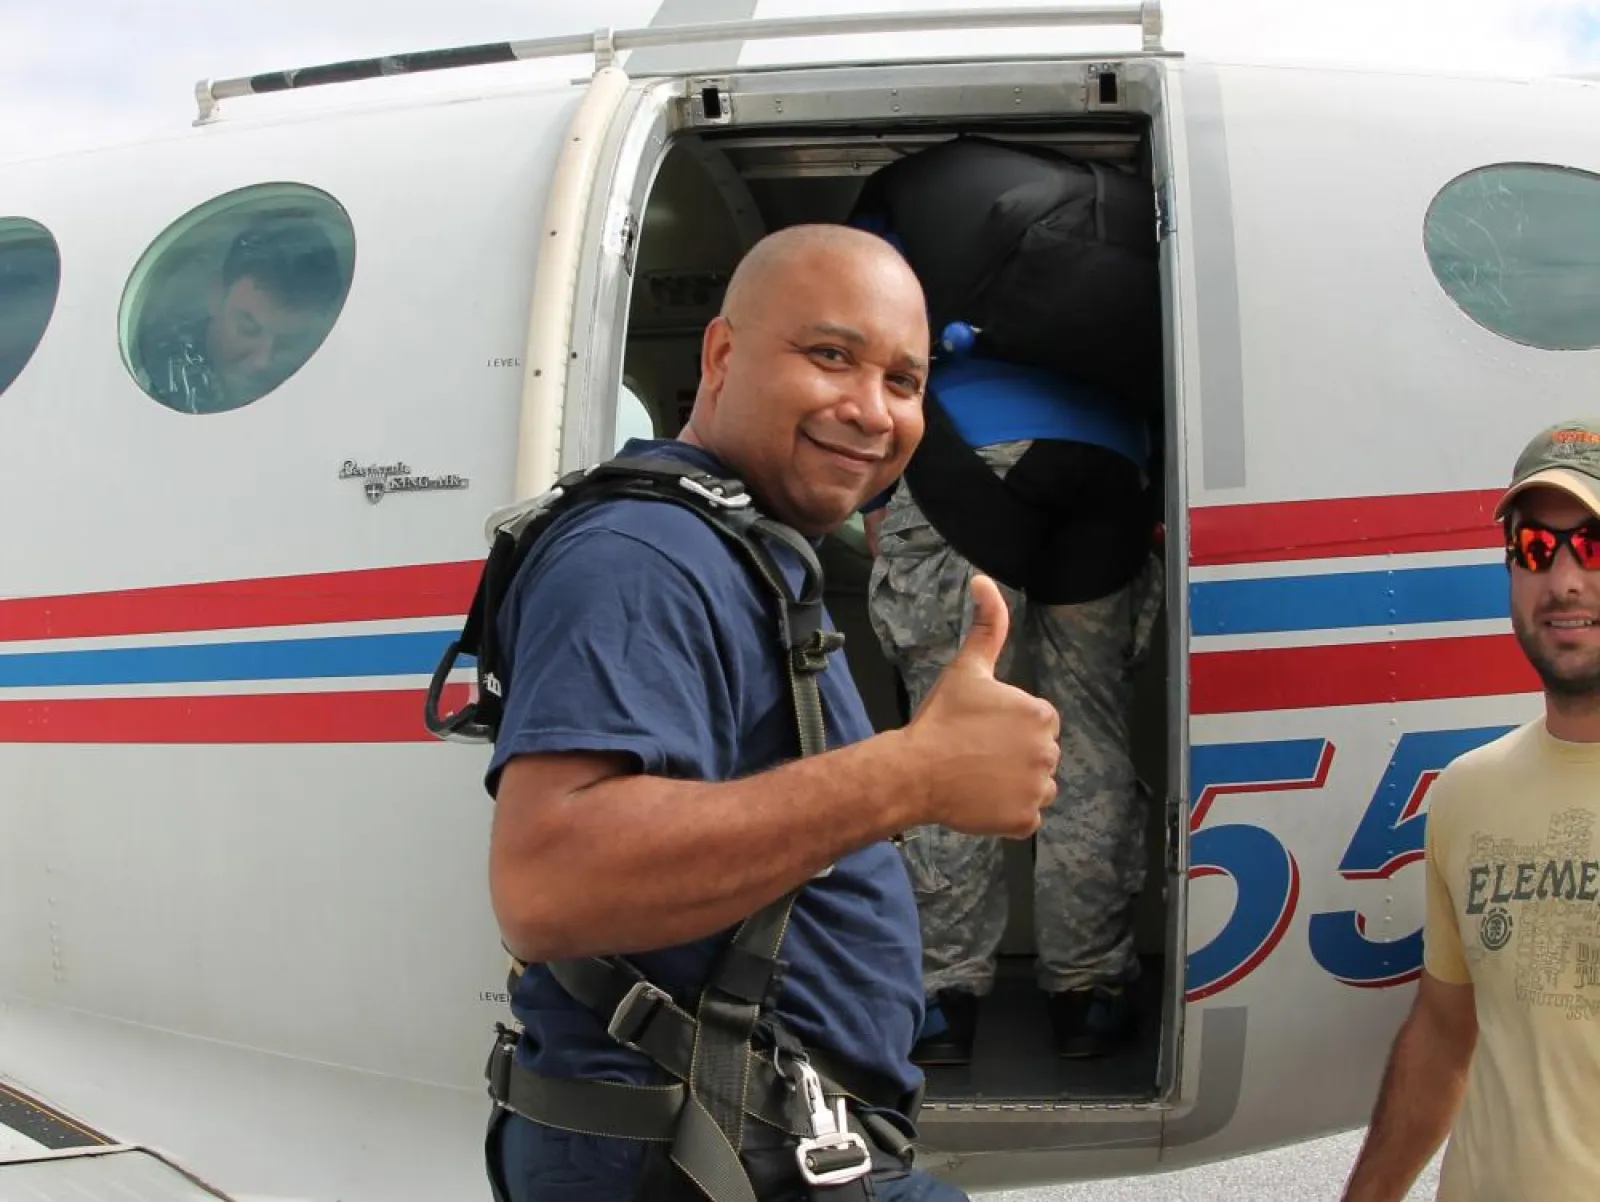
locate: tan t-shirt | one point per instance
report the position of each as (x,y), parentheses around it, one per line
(1513,871)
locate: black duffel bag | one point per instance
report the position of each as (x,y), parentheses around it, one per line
(1053,260)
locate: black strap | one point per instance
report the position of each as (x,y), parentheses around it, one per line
(723,502)
(651,1113)
(656,1113)
(645,1018)
(710,1134)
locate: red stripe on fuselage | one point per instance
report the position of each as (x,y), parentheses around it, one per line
(415,591)
(1289,678)
(1341,527)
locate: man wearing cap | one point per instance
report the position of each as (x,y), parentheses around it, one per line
(1501,1050)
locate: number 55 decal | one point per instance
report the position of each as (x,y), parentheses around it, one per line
(1266,875)
(1388,838)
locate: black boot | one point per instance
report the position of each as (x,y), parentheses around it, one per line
(948,1031)
(1092,1022)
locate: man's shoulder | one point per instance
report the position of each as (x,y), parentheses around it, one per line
(1478,769)
(1494,754)
(681,539)
(640,538)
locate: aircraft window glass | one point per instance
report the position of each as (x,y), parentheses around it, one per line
(30,278)
(236,296)
(633,418)
(1517,247)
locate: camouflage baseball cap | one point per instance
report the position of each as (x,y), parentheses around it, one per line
(1564,456)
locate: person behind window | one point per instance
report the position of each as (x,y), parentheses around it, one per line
(279,287)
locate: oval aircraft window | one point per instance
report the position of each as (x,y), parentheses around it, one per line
(1517,247)
(30,278)
(234,297)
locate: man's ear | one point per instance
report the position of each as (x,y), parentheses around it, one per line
(716,346)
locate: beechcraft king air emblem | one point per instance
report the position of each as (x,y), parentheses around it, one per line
(381,479)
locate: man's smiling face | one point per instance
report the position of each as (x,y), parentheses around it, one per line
(812,380)
(1556,613)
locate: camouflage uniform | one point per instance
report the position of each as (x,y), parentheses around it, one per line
(1090,851)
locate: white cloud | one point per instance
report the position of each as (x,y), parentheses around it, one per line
(1521,36)
(120,67)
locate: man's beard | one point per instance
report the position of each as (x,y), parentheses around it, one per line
(1577,680)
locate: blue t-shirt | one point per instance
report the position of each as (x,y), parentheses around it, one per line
(637,628)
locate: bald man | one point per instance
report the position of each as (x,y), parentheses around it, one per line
(648,794)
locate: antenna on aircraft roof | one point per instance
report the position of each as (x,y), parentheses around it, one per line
(605,44)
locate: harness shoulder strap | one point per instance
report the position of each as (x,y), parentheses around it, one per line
(514,531)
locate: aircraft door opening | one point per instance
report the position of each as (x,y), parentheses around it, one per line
(694,194)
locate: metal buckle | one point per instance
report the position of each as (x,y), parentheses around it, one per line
(739,501)
(498,1070)
(834,1154)
(812,655)
(811,1153)
(622,1018)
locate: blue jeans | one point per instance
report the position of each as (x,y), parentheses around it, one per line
(529,1162)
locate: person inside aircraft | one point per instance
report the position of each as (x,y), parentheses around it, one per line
(1089,864)
(1040,476)
(275,298)
(648,797)
(1501,1050)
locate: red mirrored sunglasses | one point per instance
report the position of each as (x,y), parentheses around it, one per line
(1533,547)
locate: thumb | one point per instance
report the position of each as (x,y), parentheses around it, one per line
(990,623)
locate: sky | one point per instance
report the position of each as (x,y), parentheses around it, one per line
(87,72)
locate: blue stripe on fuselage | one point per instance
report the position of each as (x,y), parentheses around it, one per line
(1402,597)
(414,653)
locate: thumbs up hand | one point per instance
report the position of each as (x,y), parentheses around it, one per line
(988,750)
(991,623)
